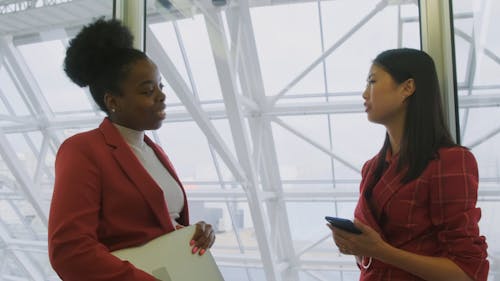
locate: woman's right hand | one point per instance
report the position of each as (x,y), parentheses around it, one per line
(203,238)
(368,243)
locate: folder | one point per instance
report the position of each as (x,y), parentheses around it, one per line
(169,258)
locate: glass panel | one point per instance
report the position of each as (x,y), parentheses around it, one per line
(35,228)
(185,138)
(26,156)
(8,216)
(166,35)
(12,267)
(61,94)
(348,65)
(37,34)
(343,275)
(232,223)
(294,30)
(306,161)
(3,100)
(187,44)
(308,53)
(355,148)
(12,96)
(477,48)
(242,273)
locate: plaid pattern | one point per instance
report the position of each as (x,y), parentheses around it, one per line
(433,215)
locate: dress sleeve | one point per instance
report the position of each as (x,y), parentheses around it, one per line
(74,250)
(454,212)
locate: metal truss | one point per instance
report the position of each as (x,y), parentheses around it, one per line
(15,6)
(250,113)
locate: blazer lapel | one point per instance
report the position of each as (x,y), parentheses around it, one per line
(136,172)
(387,186)
(363,210)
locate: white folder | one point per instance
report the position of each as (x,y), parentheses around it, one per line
(169,258)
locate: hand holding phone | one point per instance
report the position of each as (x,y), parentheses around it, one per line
(343,224)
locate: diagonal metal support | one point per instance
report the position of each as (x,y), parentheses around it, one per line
(31,269)
(227,79)
(244,59)
(315,144)
(26,262)
(484,138)
(29,89)
(18,171)
(380,6)
(482,18)
(25,81)
(183,92)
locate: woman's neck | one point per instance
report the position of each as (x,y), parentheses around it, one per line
(395,132)
(395,144)
(131,136)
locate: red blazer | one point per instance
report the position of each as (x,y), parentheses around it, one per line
(433,215)
(104,200)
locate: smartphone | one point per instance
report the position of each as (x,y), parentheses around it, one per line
(343,224)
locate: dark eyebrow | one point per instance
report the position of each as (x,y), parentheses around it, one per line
(149,82)
(146,82)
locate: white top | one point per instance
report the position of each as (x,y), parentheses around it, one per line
(146,155)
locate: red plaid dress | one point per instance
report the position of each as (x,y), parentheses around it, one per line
(433,215)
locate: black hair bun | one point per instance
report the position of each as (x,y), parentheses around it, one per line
(87,52)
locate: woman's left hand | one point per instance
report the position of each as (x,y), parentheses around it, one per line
(203,238)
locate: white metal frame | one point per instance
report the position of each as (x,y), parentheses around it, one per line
(435,26)
(250,114)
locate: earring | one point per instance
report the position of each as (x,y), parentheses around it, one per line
(113,110)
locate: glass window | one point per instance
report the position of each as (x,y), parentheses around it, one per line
(285,81)
(477,48)
(39,108)
(61,94)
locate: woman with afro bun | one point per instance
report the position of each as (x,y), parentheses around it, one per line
(114,187)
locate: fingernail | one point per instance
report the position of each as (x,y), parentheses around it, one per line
(191,243)
(195,249)
(202,251)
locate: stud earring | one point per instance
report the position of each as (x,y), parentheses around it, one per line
(113,110)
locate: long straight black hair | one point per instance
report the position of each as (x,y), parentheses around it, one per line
(424,128)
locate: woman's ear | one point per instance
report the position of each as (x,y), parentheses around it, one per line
(111,102)
(409,88)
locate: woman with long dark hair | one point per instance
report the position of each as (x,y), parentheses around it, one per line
(417,206)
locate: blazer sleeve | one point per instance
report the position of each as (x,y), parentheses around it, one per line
(74,250)
(454,212)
